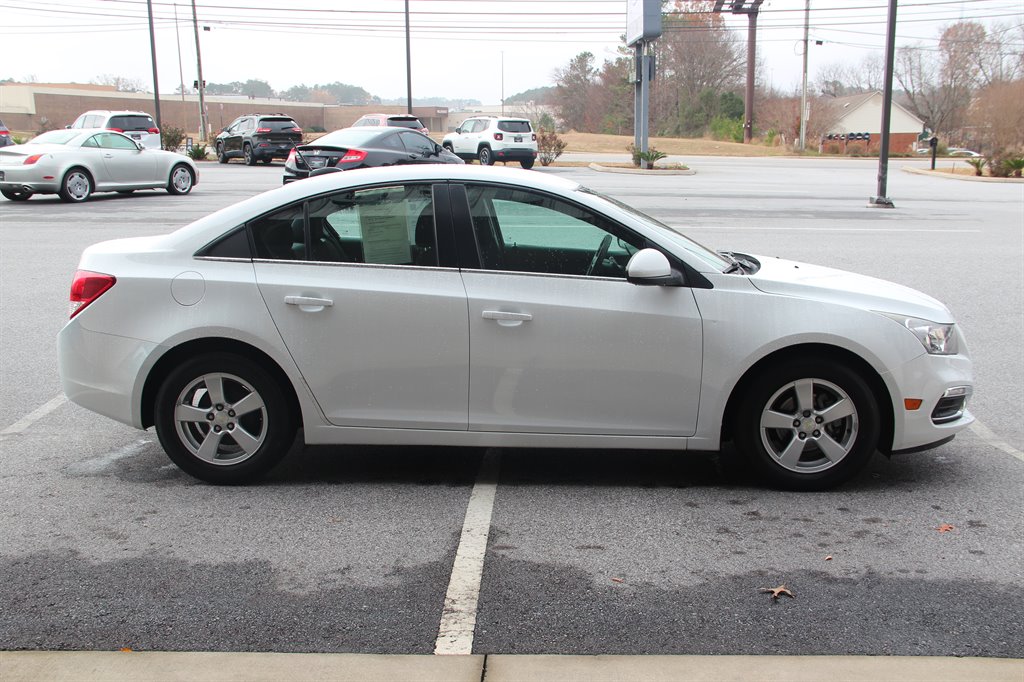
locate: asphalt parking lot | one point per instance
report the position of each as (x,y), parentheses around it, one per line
(106,545)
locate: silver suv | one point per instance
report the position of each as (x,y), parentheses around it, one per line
(494,138)
(137,125)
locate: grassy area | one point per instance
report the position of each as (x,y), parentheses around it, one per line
(616,144)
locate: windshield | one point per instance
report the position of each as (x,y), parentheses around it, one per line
(55,137)
(347,137)
(698,250)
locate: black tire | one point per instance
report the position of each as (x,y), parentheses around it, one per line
(485,156)
(449,147)
(16,194)
(250,157)
(181,180)
(803,397)
(266,162)
(526,163)
(222,157)
(76,185)
(207,442)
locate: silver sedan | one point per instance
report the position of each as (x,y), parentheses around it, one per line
(76,163)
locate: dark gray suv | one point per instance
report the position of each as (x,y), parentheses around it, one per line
(258,137)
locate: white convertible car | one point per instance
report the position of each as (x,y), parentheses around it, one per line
(478,306)
(76,163)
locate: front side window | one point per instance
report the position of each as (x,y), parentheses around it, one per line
(111,141)
(525,231)
(417,144)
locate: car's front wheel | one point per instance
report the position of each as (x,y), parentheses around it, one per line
(223,419)
(16,194)
(222,156)
(76,185)
(808,425)
(181,180)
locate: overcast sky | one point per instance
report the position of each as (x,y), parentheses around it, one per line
(458,46)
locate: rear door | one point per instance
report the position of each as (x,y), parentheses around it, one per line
(139,127)
(517,134)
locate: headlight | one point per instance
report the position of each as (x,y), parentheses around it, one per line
(937,339)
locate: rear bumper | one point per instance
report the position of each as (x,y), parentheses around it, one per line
(514,154)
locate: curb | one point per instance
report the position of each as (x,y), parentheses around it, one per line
(157,666)
(640,171)
(951,176)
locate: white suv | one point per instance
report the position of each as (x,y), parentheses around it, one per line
(494,138)
(137,125)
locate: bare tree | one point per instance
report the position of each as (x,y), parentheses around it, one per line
(573,86)
(997,117)
(120,83)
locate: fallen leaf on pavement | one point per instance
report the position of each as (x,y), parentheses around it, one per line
(618,580)
(945,528)
(777,591)
(828,558)
(124,648)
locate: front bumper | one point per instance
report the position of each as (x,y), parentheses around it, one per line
(929,378)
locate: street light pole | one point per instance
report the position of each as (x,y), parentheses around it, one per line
(408,60)
(881,200)
(201,83)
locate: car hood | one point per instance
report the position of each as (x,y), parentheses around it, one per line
(791,278)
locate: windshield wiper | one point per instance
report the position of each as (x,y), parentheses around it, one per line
(735,265)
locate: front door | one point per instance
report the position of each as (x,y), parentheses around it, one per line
(559,341)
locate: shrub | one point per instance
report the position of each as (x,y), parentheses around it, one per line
(19,139)
(172,138)
(549,146)
(727,129)
(198,152)
(635,153)
(1014,165)
(997,166)
(316,129)
(651,156)
(978,165)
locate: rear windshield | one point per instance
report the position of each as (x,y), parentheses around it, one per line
(279,125)
(514,126)
(405,122)
(347,137)
(55,137)
(131,122)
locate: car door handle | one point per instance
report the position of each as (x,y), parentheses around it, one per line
(501,315)
(108,156)
(308,301)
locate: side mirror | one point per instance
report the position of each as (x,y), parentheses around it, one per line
(67,127)
(458,130)
(650,267)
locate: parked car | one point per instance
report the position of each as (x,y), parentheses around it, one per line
(494,138)
(5,136)
(351,148)
(463,305)
(258,138)
(77,163)
(958,151)
(138,125)
(392,120)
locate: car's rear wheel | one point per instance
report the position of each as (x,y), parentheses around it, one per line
(526,163)
(223,419)
(486,159)
(267,161)
(16,194)
(181,180)
(808,425)
(76,185)
(250,158)
(222,157)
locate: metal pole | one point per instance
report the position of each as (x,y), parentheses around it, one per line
(881,200)
(641,100)
(803,93)
(181,69)
(503,82)
(202,84)
(156,83)
(748,108)
(408,59)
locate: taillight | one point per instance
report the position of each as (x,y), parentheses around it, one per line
(86,287)
(153,131)
(117,130)
(353,155)
(533,137)
(262,130)
(291,158)
(499,137)
(296,129)
(29,160)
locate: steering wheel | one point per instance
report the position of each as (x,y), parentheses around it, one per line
(599,255)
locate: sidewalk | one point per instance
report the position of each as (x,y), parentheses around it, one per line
(154,666)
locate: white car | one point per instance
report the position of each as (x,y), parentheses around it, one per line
(137,125)
(472,306)
(77,163)
(494,138)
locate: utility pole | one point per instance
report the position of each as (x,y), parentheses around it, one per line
(181,69)
(881,200)
(201,83)
(750,8)
(803,93)
(408,60)
(152,49)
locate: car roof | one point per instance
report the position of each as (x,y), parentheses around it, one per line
(116,112)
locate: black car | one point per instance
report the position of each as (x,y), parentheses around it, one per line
(352,148)
(258,137)
(5,135)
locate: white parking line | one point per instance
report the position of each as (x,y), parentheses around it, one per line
(34,416)
(867,230)
(458,621)
(984,433)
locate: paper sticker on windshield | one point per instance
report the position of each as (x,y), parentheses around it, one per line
(385,233)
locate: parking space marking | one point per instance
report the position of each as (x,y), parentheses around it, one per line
(788,228)
(34,416)
(458,621)
(984,433)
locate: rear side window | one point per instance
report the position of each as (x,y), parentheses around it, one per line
(514,126)
(131,122)
(279,125)
(413,123)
